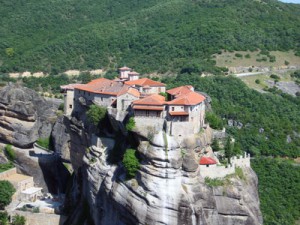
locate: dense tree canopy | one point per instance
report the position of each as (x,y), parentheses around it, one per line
(6,192)
(153,35)
(279,185)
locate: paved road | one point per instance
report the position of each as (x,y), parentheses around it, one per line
(248,74)
(265,72)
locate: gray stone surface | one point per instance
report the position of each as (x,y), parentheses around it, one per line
(168,188)
(24,116)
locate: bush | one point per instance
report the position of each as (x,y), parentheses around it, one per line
(215,145)
(5,166)
(214,182)
(272,58)
(164,94)
(45,142)
(10,153)
(247,56)
(61,107)
(6,192)
(130,124)
(95,114)
(257,81)
(214,121)
(18,220)
(131,163)
(238,55)
(275,77)
(3,218)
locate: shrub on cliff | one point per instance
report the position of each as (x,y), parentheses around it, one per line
(3,218)
(95,114)
(130,124)
(6,192)
(45,142)
(131,163)
(18,220)
(9,152)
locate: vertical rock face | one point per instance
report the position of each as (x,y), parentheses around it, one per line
(168,188)
(24,116)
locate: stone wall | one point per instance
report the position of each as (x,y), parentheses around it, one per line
(217,171)
(242,161)
(41,218)
(124,101)
(179,129)
(4,175)
(69,102)
(152,90)
(148,126)
(219,134)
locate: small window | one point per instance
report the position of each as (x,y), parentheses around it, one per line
(207,165)
(191,108)
(147,113)
(70,106)
(173,108)
(181,107)
(101,99)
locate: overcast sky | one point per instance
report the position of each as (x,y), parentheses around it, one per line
(291,1)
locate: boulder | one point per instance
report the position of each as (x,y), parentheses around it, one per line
(25,116)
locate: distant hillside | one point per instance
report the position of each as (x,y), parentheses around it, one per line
(152,35)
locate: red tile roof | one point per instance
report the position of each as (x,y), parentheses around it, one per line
(124,68)
(131,91)
(179,113)
(145,81)
(104,86)
(182,90)
(154,99)
(207,161)
(191,98)
(148,107)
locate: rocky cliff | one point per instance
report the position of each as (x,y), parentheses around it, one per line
(167,189)
(24,115)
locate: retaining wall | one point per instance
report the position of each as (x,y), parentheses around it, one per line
(41,218)
(4,175)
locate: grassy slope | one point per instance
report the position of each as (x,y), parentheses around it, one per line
(229,59)
(149,35)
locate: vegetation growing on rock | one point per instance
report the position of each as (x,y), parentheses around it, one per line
(95,114)
(45,142)
(131,163)
(9,152)
(130,125)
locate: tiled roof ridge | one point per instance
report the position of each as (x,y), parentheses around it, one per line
(145,81)
(154,99)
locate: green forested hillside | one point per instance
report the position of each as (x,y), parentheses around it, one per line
(279,184)
(153,35)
